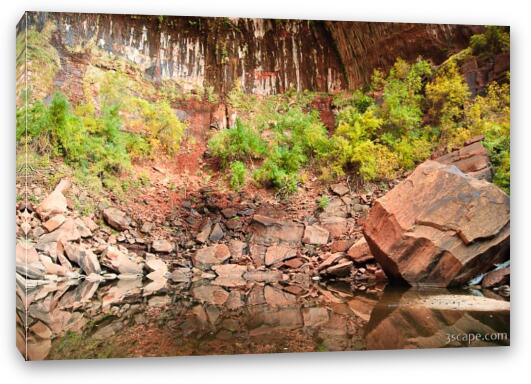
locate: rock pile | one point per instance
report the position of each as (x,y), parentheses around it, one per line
(214,239)
(55,244)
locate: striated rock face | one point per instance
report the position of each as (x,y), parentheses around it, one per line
(264,56)
(363,46)
(439,227)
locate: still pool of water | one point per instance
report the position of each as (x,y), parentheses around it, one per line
(128,318)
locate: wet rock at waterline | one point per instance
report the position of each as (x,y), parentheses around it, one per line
(439,227)
(83,257)
(120,262)
(496,278)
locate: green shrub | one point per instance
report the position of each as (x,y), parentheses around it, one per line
(298,138)
(353,148)
(114,89)
(357,99)
(281,169)
(402,95)
(240,142)
(490,116)
(305,131)
(241,101)
(238,174)
(136,145)
(94,144)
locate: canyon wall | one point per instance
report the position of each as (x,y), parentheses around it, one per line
(264,56)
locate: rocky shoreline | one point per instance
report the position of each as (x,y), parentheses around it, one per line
(218,240)
(437,227)
(225,249)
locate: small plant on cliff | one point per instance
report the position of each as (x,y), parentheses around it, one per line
(240,100)
(356,99)
(37,58)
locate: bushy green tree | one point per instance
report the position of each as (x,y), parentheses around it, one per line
(375,141)
(164,129)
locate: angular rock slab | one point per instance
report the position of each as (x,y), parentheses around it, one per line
(439,227)
(360,252)
(208,256)
(116,219)
(55,203)
(162,246)
(472,159)
(271,231)
(83,257)
(314,234)
(277,253)
(119,262)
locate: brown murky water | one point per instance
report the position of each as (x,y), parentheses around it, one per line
(129,318)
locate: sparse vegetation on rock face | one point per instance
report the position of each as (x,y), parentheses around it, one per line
(37,63)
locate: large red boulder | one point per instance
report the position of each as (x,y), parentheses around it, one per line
(439,227)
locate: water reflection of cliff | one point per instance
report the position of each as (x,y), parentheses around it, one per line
(130,318)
